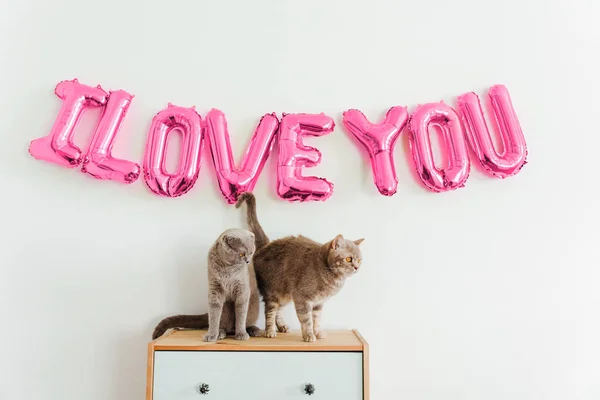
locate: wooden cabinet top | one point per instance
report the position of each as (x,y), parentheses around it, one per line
(191,340)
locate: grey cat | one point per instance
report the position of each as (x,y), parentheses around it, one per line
(301,270)
(233,299)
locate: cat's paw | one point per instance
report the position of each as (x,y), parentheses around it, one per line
(283,328)
(242,336)
(271,333)
(211,337)
(309,337)
(222,334)
(320,335)
(254,331)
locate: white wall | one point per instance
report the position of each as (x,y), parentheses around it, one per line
(489,292)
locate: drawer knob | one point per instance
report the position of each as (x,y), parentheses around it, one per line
(203,389)
(309,389)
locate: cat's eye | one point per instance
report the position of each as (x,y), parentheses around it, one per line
(242,254)
(359,261)
(348,259)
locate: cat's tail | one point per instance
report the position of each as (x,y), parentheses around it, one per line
(260,237)
(180,321)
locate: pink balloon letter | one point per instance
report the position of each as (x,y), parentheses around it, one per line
(513,157)
(233,181)
(58,147)
(444,116)
(293,155)
(155,172)
(99,161)
(379,140)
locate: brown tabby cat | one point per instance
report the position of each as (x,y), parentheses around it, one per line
(301,270)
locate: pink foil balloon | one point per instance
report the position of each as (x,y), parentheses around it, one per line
(233,181)
(155,173)
(294,155)
(379,140)
(455,147)
(514,155)
(99,161)
(58,147)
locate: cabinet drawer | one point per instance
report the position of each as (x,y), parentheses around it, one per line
(251,375)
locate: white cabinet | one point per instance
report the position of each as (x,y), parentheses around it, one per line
(182,367)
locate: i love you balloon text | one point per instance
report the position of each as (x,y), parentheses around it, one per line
(460,129)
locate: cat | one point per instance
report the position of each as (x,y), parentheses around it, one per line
(233,298)
(301,270)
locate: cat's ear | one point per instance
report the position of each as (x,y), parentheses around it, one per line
(232,241)
(359,241)
(337,242)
